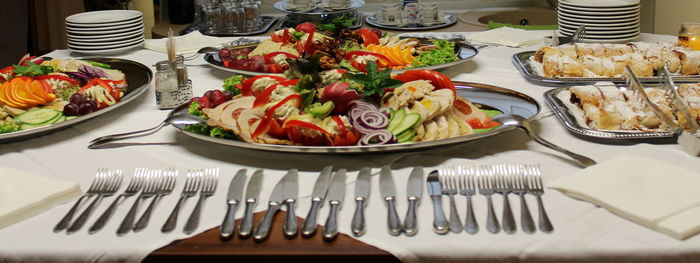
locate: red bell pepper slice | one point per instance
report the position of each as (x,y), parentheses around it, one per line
(438,80)
(264,96)
(269,58)
(368,37)
(268,122)
(305,125)
(58,77)
(382,62)
(307,47)
(248,83)
(486,124)
(283,38)
(114,93)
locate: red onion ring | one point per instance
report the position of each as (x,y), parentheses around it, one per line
(377,137)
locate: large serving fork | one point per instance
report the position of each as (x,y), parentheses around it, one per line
(486,188)
(95,186)
(501,176)
(519,184)
(152,182)
(535,187)
(134,186)
(192,184)
(166,186)
(467,188)
(110,186)
(448,182)
(211,179)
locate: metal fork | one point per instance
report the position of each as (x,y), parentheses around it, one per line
(208,188)
(519,187)
(467,188)
(134,186)
(502,186)
(191,187)
(97,182)
(152,180)
(448,184)
(166,186)
(486,185)
(111,185)
(535,187)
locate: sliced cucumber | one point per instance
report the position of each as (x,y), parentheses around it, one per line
(407,122)
(59,119)
(38,116)
(25,126)
(396,119)
(406,136)
(71,117)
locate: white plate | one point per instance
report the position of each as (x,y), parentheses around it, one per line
(134,24)
(609,37)
(600,3)
(601,28)
(596,26)
(599,9)
(106,39)
(99,25)
(105,43)
(101,37)
(596,12)
(612,41)
(601,17)
(114,51)
(105,33)
(101,17)
(600,22)
(571,31)
(101,47)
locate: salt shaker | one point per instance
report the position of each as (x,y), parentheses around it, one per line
(166,86)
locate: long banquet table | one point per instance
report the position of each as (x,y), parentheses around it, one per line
(583,232)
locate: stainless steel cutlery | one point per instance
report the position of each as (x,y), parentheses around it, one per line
(251,198)
(210,181)
(520,188)
(503,185)
(291,191)
(362,188)
(235,192)
(166,186)
(414,192)
(440,224)
(318,195)
(150,189)
(273,205)
(448,182)
(535,187)
(486,186)
(192,184)
(135,184)
(100,179)
(388,191)
(109,187)
(336,196)
(467,188)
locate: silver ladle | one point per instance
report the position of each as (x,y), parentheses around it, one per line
(522,123)
(179,118)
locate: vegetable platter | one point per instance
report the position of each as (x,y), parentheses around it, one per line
(336,47)
(42,95)
(318,111)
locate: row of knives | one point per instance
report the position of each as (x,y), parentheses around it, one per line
(330,187)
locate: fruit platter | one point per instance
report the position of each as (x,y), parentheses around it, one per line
(40,95)
(316,110)
(337,47)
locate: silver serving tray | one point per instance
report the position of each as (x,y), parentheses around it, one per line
(463,51)
(284,22)
(449,19)
(267,22)
(567,118)
(138,77)
(522,62)
(492,97)
(318,7)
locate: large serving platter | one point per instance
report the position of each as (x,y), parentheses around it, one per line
(447,20)
(488,96)
(138,77)
(464,52)
(522,62)
(556,99)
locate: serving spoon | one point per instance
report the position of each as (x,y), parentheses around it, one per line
(523,123)
(178,118)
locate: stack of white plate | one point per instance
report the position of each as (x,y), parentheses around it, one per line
(105,32)
(606,21)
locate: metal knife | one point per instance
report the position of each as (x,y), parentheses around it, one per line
(362,187)
(291,191)
(440,224)
(336,196)
(235,192)
(251,198)
(274,204)
(414,192)
(317,196)
(386,187)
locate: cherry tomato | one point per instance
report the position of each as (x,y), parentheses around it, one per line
(438,80)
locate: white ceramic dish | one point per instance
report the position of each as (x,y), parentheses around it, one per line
(113,51)
(601,22)
(135,35)
(134,24)
(100,25)
(107,32)
(92,48)
(105,43)
(600,17)
(600,3)
(568,10)
(599,9)
(105,37)
(596,27)
(106,16)
(570,31)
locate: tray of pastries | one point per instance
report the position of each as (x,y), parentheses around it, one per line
(588,63)
(606,110)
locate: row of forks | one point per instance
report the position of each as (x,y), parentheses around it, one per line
(500,179)
(147,183)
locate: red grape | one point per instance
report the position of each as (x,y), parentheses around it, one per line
(225,53)
(70,109)
(76,98)
(84,108)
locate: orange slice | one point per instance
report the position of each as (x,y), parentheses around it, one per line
(7,92)
(19,92)
(3,98)
(37,88)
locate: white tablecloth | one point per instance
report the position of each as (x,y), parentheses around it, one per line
(583,232)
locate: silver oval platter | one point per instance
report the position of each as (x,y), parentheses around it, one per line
(486,96)
(138,77)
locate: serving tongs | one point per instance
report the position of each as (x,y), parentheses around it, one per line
(578,35)
(689,137)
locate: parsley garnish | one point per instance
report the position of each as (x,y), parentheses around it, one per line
(338,23)
(374,81)
(32,69)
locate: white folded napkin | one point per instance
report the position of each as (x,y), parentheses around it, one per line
(508,36)
(185,44)
(652,193)
(23,195)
